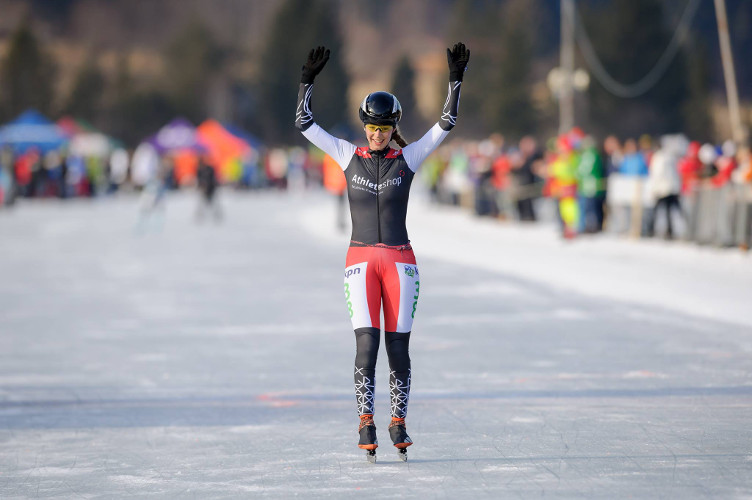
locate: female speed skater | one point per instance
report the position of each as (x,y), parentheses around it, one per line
(380,269)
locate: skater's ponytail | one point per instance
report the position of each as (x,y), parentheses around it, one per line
(397,137)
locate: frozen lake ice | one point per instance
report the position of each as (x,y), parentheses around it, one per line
(176,359)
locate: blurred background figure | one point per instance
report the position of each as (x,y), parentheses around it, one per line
(7,177)
(488,196)
(563,171)
(725,165)
(152,201)
(335,182)
(665,184)
(742,178)
(591,187)
(456,181)
(527,182)
(707,197)
(629,184)
(206,177)
(118,170)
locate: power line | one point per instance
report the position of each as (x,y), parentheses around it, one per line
(654,75)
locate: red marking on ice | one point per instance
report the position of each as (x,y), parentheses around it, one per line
(275,401)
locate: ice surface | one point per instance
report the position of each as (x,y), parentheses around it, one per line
(166,358)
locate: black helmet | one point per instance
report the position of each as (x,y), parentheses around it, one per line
(380,108)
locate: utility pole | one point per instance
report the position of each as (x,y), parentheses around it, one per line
(729,75)
(566,62)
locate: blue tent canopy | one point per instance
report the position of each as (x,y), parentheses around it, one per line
(32,129)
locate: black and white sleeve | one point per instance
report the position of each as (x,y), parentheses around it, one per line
(303,115)
(451,106)
(338,149)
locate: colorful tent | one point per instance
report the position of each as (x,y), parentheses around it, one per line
(224,150)
(179,141)
(71,126)
(177,135)
(249,138)
(85,139)
(32,129)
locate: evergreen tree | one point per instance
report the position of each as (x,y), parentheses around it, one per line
(133,113)
(510,109)
(299,26)
(193,59)
(403,86)
(26,75)
(85,100)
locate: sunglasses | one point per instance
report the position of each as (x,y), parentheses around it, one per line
(375,128)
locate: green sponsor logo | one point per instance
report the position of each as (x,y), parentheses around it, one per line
(409,271)
(417,292)
(347,298)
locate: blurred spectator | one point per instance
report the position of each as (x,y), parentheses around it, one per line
(206,176)
(432,170)
(456,179)
(563,171)
(24,169)
(591,187)
(486,193)
(118,169)
(336,183)
(7,177)
(612,154)
(664,183)
(634,162)
(725,164)
(633,171)
(708,154)
(277,168)
(690,168)
(501,181)
(525,179)
(152,206)
(742,178)
(646,148)
(296,169)
(720,182)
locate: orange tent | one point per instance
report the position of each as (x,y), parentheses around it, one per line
(224,150)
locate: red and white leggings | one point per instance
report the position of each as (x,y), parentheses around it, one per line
(377,276)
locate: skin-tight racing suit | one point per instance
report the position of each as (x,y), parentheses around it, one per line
(380,266)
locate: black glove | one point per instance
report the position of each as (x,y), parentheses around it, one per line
(316,61)
(457,59)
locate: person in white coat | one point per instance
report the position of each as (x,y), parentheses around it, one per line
(664,183)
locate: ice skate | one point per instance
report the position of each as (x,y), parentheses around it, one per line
(368,441)
(399,436)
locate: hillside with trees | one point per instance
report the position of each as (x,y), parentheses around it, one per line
(129,66)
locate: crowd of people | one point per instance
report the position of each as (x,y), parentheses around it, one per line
(35,173)
(672,187)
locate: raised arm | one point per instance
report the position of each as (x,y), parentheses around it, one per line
(341,151)
(414,153)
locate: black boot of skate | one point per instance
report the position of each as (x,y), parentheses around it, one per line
(399,436)
(368,441)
